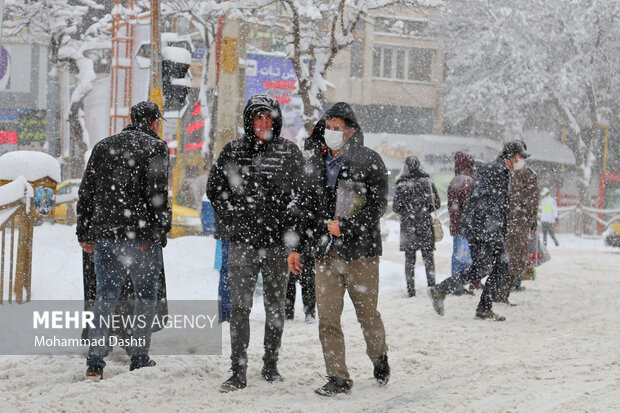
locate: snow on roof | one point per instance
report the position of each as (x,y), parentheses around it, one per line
(395,148)
(544,147)
(15,190)
(32,165)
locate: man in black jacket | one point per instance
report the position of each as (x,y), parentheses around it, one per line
(253,189)
(485,222)
(345,196)
(123,217)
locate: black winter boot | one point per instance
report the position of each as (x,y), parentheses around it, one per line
(270,372)
(333,387)
(382,370)
(237,381)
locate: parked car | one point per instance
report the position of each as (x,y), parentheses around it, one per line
(66,200)
(612,235)
(185,221)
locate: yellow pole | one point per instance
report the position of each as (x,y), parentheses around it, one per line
(564,130)
(605,145)
(155,93)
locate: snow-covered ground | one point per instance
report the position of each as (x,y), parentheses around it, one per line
(558,350)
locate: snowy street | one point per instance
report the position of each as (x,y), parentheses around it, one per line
(557,351)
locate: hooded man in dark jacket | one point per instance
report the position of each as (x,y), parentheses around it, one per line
(484,222)
(253,188)
(414,203)
(458,194)
(123,217)
(345,197)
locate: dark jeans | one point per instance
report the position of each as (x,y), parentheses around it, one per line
(244,265)
(114,260)
(429,266)
(489,259)
(308,294)
(549,228)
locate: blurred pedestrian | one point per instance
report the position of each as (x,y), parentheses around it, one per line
(414,202)
(549,216)
(346,196)
(253,188)
(484,222)
(458,194)
(521,223)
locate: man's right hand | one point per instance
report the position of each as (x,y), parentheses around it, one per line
(294,263)
(88,246)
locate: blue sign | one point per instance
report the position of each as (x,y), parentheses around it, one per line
(44,200)
(276,76)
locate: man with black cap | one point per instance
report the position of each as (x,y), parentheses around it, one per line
(253,188)
(484,222)
(123,217)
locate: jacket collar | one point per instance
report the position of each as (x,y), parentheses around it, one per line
(141,128)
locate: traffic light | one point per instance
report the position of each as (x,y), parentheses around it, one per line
(175,76)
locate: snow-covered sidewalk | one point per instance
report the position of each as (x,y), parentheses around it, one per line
(557,351)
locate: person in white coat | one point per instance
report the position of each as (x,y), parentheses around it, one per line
(549,216)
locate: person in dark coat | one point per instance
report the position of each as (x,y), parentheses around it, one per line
(413,202)
(522,216)
(458,194)
(253,188)
(484,222)
(123,217)
(346,195)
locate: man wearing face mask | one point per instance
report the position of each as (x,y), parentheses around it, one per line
(345,196)
(253,188)
(484,222)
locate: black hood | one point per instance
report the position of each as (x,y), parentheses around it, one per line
(412,169)
(262,103)
(340,110)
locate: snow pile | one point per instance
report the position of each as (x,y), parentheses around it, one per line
(32,165)
(17,189)
(557,351)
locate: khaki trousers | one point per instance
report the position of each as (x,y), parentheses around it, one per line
(361,279)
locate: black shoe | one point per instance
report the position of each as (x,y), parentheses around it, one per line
(411,293)
(382,370)
(237,381)
(270,372)
(333,387)
(437,299)
(489,315)
(135,366)
(94,373)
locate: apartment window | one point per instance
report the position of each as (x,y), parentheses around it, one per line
(415,64)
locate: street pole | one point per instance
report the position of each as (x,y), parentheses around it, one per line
(155,93)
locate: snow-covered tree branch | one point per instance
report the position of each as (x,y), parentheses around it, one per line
(506,60)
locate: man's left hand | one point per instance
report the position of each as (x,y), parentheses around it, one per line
(333,226)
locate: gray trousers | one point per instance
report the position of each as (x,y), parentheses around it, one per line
(244,265)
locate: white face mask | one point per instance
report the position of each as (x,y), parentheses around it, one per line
(333,139)
(518,164)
